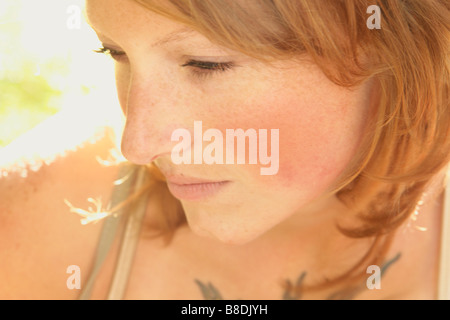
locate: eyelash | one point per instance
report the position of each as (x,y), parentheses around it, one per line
(204,69)
(201,69)
(115,54)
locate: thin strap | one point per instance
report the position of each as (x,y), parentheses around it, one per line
(129,242)
(110,227)
(444,266)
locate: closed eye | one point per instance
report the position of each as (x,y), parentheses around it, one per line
(201,69)
(204,69)
(115,54)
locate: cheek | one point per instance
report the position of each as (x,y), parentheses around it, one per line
(318,139)
(317,136)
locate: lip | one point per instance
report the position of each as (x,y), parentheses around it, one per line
(194,189)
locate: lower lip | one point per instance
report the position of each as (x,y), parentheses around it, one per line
(197,191)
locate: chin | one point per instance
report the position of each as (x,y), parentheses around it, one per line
(225,235)
(224,226)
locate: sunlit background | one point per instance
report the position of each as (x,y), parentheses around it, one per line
(48,67)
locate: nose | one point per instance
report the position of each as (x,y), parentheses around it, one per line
(152,114)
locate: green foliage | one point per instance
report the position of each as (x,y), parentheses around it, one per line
(26,99)
(31,92)
(26,96)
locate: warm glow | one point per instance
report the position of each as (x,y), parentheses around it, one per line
(50,48)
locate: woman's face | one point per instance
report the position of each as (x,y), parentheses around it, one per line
(169,78)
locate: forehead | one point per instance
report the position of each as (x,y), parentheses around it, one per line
(129,24)
(126,21)
(120,17)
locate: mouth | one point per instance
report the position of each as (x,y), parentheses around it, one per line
(194,189)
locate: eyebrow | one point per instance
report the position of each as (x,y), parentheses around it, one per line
(175,36)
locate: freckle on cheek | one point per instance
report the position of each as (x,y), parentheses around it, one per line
(301,164)
(295,153)
(290,153)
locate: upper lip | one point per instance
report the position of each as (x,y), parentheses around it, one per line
(183,180)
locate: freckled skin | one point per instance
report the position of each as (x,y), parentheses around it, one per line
(320,124)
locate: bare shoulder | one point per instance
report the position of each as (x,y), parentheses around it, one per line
(39,236)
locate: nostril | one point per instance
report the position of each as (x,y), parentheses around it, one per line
(134,155)
(156,157)
(144,141)
(143,154)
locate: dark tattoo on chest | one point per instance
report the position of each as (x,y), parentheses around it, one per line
(210,292)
